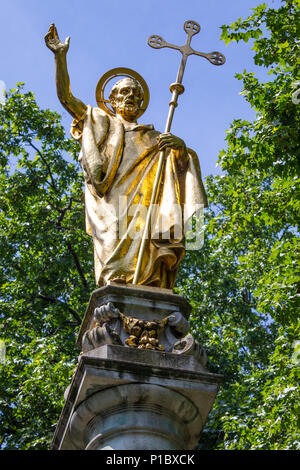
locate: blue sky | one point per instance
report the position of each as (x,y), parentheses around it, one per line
(112,33)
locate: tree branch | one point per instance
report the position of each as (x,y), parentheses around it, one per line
(62,325)
(62,211)
(45,162)
(78,265)
(65,305)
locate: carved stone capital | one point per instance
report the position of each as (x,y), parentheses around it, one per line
(139,318)
(110,326)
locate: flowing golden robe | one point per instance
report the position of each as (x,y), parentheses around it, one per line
(119,166)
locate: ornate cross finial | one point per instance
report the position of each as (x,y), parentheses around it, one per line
(191,28)
(215,58)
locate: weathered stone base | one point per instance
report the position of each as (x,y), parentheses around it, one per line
(123,398)
(141,381)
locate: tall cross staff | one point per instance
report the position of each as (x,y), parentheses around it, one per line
(215,58)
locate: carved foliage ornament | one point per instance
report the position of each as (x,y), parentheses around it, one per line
(110,325)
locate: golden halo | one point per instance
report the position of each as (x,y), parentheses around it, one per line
(120,72)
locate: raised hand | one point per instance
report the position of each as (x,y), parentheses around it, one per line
(53,42)
(72,104)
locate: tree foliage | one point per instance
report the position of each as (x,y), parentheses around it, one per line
(243,284)
(46,268)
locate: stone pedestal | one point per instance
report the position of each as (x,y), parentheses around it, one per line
(136,387)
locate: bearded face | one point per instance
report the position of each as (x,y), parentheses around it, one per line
(126,98)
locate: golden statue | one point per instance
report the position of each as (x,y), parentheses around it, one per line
(119,159)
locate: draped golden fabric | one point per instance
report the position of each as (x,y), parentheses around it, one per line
(119,165)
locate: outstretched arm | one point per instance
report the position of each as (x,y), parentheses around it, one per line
(73,105)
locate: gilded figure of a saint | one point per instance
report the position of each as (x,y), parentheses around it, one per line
(119,159)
